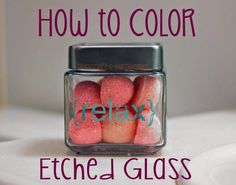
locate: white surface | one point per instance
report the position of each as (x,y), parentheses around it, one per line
(201,70)
(17,123)
(27,135)
(214,167)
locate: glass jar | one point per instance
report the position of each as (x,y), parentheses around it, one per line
(115,99)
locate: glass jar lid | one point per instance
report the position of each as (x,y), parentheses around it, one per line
(116,57)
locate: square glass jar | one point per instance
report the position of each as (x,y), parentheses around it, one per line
(115,99)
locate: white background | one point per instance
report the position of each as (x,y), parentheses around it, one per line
(201,70)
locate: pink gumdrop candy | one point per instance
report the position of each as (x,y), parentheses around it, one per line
(118,88)
(147,135)
(146,87)
(86,93)
(87,131)
(114,131)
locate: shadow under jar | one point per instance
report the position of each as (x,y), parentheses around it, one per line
(115,99)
